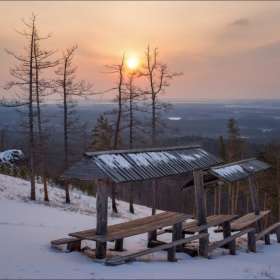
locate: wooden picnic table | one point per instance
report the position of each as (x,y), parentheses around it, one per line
(134,227)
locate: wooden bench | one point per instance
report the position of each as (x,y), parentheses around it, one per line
(73,244)
(231,241)
(265,233)
(170,246)
(244,221)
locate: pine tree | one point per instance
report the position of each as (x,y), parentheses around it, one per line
(102,133)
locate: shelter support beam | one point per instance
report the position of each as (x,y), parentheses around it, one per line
(255,201)
(102,217)
(200,210)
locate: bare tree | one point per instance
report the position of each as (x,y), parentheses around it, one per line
(42,89)
(24,74)
(68,89)
(118,69)
(3,136)
(133,95)
(159,77)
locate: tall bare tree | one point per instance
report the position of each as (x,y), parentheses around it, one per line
(3,136)
(133,94)
(68,89)
(119,100)
(25,75)
(42,88)
(158,76)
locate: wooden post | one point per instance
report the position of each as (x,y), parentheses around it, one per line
(199,197)
(278,234)
(177,233)
(267,239)
(119,245)
(226,233)
(252,241)
(102,216)
(171,254)
(74,246)
(200,210)
(255,201)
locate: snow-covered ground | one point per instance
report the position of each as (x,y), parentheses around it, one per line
(27,227)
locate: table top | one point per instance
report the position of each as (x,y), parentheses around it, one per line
(211,221)
(134,227)
(247,220)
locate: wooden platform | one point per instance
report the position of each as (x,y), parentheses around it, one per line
(134,227)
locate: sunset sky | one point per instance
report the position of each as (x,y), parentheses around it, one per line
(225,49)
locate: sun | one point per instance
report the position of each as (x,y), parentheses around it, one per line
(132,63)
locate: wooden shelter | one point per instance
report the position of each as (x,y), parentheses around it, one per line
(137,165)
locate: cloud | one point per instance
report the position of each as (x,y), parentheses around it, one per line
(239,22)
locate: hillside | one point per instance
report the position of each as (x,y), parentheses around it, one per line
(27,227)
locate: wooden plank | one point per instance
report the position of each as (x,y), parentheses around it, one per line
(120,260)
(102,217)
(229,239)
(266,231)
(247,220)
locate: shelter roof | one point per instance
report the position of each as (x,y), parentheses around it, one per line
(230,173)
(141,164)
(235,171)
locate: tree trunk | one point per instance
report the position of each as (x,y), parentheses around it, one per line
(31,115)
(113,192)
(219,203)
(42,152)
(131,193)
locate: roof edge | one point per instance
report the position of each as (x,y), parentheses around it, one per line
(89,154)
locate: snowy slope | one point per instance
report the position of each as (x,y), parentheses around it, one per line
(27,227)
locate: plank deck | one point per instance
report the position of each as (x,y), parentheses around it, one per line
(228,239)
(121,260)
(134,227)
(247,220)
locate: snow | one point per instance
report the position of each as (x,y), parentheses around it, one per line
(187,158)
(229,170)
(27,227)
(10,155)
(115,161)
(139,159)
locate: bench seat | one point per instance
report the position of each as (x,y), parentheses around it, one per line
(231,241)
(73,244)
(170,246)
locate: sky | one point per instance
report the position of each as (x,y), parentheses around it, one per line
(225,49)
